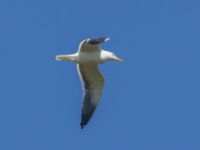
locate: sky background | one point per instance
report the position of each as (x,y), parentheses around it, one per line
(149,102)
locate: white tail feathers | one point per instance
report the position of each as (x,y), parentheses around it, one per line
(71,57)
(60,57)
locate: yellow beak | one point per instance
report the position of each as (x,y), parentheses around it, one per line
(118,59)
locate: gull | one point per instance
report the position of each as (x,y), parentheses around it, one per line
(87,58)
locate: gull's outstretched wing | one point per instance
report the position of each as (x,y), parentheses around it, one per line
(91,44)
(92,83)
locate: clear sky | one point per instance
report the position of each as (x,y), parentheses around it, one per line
(150,102)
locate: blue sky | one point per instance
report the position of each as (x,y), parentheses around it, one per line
(150,102)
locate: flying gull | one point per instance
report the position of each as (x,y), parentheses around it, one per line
(87,58)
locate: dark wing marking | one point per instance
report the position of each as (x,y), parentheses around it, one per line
(92,83)
(98,40)
(91,45)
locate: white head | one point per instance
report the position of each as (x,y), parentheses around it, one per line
(109,56)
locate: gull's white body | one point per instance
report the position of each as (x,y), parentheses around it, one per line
(97,57)
(87,58)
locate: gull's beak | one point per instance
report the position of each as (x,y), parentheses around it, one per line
(118,59)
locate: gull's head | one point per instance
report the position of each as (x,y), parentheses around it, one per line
(110,56)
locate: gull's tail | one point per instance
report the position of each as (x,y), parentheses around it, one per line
(70,57)
(60,57)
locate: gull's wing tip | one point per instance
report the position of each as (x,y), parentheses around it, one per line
(107,39)
(104,38)
(97,38)
(96,41)
(82,126)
